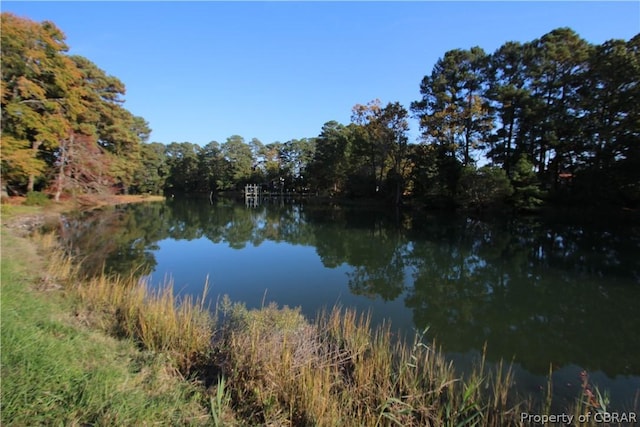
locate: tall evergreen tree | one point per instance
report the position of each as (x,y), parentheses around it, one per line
(329,166)
(558,63)
(210,167)
(509,94)
(239,161)
(393,119)
(182,160)
(454,111)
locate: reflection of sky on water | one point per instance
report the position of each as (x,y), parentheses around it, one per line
(291,275)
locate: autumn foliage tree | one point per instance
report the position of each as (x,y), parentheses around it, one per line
(63,125)
(34,79)
(379,147)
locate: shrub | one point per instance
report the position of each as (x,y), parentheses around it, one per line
(527,193)
(483,187)
(36,198)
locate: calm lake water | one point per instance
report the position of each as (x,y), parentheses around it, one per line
(560,292)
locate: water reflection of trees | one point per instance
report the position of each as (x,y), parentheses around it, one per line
(544,290)
(115,239)
(516,287)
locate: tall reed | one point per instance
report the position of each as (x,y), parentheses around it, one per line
(340,371)
(130,307)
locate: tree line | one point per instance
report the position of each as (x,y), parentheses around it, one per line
(552,120)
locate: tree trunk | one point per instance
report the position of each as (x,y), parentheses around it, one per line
(31,183)
(507,161)
(61,168)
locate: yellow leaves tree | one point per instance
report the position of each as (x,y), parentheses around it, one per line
(33,75)
(63,124)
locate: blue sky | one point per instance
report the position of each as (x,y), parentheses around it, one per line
(203,71)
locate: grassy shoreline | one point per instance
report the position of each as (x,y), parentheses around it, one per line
(120,353)
(58,370)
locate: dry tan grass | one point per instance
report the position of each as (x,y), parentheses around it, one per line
(129,307)
(339,371)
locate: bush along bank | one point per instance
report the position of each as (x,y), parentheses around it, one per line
(274,367)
